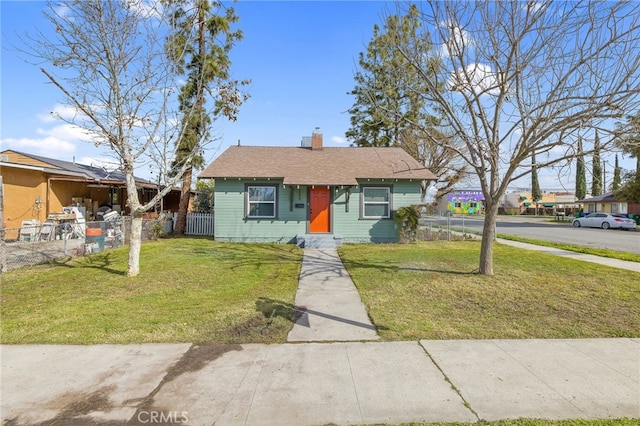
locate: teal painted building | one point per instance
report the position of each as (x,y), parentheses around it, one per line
(280,194)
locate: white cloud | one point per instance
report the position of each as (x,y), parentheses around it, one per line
(533,6)
(147,8)
(59,112)
(458,41)
(61,10)
(67,132)
(338,139)
(57,141)
(478,78)
(48,146)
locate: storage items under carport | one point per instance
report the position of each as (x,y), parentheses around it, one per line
(107,232)
(94,241)
(68,224)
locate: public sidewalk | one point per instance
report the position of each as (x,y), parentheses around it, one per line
(328,302)
(614,263)
(320,383)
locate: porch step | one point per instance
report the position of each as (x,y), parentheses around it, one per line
(318,241)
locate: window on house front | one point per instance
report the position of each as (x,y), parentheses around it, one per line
(261,201)
(376,202)
(458,204)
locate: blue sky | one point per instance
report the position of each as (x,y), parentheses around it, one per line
(300,55)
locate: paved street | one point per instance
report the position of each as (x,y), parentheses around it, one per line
(539,228)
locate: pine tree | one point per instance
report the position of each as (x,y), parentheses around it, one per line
(536,193)
(206,63)
(617,176)
(596,174)
(581,178)
(388,90)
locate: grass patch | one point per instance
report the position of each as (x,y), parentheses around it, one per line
(189,290)
(431,291)
(579,249)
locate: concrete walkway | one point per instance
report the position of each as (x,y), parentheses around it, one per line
(614,263)
(328,302)
(320,383)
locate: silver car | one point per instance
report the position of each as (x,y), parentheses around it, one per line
(604,221)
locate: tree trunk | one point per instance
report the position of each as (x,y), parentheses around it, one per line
(488,237)
(183,207)
(135,243)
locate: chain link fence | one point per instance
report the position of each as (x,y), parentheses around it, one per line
(438,228)
(35,244)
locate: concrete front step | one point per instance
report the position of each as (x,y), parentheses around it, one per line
(318,241)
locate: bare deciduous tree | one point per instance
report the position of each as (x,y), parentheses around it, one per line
(442,161)
(522,78)
(390,97)
(108,58)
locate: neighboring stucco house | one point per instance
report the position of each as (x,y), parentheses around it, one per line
(608,203)
(551,203)
(289,194)
(35,186)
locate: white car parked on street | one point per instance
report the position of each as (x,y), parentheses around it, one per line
(604,221)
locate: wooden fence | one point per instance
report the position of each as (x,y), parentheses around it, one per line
(197,223)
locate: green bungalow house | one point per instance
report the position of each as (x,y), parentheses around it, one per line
(311,195)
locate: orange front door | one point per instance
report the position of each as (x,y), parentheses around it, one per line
(320,200)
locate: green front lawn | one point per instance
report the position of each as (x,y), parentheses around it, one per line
(198,290)
(429,290)
(189,290)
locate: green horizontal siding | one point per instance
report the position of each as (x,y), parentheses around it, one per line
(230,221)
(354,229)
(231,224)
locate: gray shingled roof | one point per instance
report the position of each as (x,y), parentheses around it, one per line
(604,198)
(327,166)
(90,172)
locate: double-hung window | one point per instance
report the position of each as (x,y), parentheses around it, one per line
(261,201)
(376,202)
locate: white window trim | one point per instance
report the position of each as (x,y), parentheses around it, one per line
(274,202)
(363,203)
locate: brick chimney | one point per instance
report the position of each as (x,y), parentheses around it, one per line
(316,139)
